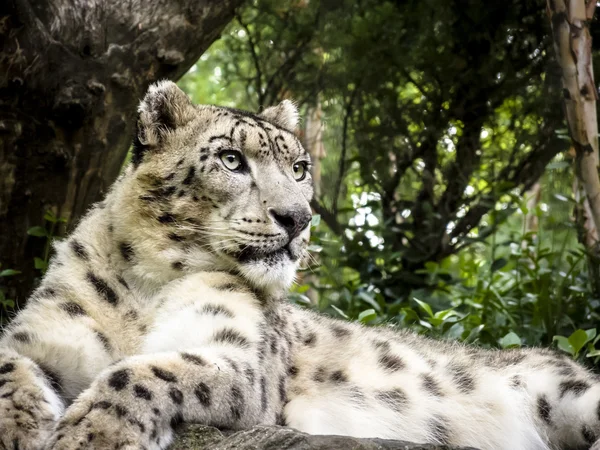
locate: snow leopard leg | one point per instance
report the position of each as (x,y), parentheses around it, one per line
(565,398)
(138,402)
(48,354)
(29,404)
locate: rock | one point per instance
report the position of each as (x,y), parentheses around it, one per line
(199,437)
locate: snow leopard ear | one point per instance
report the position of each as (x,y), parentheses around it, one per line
(164,108)
(284,115)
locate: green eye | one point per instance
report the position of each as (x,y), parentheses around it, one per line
(232,159)
(300,170)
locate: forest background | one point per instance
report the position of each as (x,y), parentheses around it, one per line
(446,195)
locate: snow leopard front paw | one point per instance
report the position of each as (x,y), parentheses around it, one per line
(97,424)
(29,408)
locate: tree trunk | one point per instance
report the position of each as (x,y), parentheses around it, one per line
(573,45)
(71,75)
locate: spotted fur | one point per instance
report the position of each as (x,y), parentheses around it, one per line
(167,305)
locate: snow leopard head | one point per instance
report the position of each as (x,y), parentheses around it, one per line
(214,188)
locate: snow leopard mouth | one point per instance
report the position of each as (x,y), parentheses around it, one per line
(253,254)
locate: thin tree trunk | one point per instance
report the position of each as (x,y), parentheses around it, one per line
(71,75)
(573,45)
(313,142)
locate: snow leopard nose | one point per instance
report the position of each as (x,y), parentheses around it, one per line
(294,221)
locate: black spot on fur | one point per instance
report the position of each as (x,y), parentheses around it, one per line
(164,375)
(382,345)
(203,393)
(166,218)
(544,409)
(190,176)
(263,394)
(431,385)
(175,237)
(274,346)
(136,422)
(126,251)
(516,381)
(230,336)
(176,395)
(310,339)
(73,309)
(194,359)
(231,363)
(588,434)
(340,331)
(104,340)
(119,380)
(394,398)
(216,310)
(282,393)
(142,392)
(391,363)
(575,387)
(228,287)
(249,372)
(464,381)
(121,411)
(292,371)
(176,421)
(102,404)
(22,336)
(237,402)
(319,375)
(338,377)
(7,368)
(177,265)
(122,282)
(103,289)
(52,377)
(79,250)
(440,430)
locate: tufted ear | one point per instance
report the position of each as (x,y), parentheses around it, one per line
(164,108)
(284,115)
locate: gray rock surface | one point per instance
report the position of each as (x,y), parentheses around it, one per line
(199,437)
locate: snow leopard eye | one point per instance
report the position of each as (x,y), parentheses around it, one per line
(300,170)
(232,159)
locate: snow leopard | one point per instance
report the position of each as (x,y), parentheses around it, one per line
(167,305)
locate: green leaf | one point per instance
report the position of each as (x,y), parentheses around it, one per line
(50,217)
(510,340)
(40,264)
(578,339)
(316,220)
(367,315)
(499,264)
(563,344)
(474,333)
(340,312)
(593,353)
(9,272)
(424,306)
(37,232)
(301,299)
(591,334)
(370,300)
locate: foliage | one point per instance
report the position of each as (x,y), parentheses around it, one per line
(438,119)
(51,222)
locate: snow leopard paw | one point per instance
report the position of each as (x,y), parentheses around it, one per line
(29,408)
